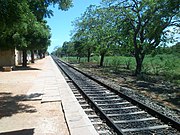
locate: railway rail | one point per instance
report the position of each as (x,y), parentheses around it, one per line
(123,114)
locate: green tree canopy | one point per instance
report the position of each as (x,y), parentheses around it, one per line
(143,23)
(18,16)
(22,25)
(136,26)
(94,28)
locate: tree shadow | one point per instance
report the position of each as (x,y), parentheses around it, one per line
(157,87)
(19,68)
(10,104)
(20,132)
(148,84)
(174,100)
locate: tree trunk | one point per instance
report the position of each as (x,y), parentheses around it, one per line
(102,60)
(24,64)
(89,55)
(32,56)
(79,59)
(44,55)
(40,54)
(139,56)
(139,61)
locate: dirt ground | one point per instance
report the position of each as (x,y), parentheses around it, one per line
(154,87)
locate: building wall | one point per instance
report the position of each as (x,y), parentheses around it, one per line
(7,57)
(18,57)
(13,57)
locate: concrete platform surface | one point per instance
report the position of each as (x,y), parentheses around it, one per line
(38,101)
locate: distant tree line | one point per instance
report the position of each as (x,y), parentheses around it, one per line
(127,27)
(22,25)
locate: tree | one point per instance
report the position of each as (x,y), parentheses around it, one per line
(58,52)
(95,29)
(144,23)
(40,10)
(40,7)
(83,33)
(65,48)
(83,43)
(19,19)
(15,16)
(38,38)
(16,19)
(176,49)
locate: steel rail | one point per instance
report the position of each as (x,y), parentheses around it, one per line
(93,104)
(148,109)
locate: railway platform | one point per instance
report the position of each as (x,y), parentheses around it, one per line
(38,101)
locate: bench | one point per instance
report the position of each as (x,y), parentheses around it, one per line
(7,68)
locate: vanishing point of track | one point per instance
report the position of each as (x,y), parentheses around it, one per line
(122,113)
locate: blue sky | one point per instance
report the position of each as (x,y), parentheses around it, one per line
(61,22)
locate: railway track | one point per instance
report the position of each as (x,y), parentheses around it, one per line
(99,124)
(121,113)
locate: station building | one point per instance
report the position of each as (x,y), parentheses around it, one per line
(11,57)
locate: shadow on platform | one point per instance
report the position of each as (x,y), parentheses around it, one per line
(20,132)
(19,68)
(13,104)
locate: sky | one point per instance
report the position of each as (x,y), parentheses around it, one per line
(61,22)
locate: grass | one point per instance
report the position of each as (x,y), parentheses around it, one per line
(164,65)
(155,82)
